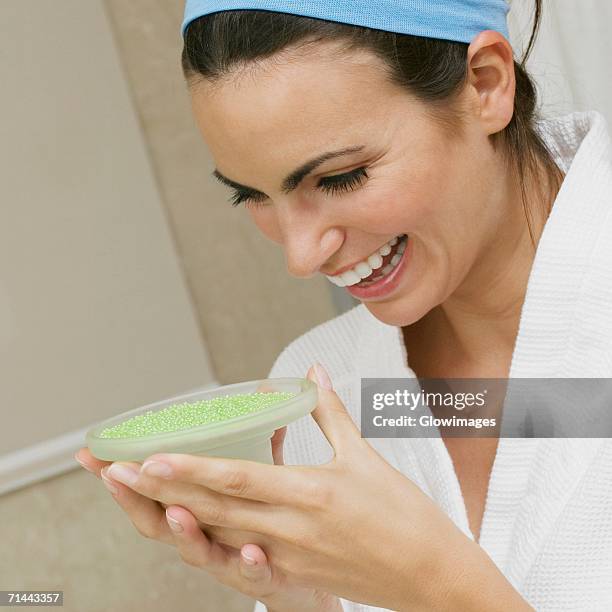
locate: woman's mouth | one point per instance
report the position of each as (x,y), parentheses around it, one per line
(373,268)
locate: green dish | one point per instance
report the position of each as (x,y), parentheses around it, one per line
(233,421)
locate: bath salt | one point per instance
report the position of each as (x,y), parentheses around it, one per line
(186,415)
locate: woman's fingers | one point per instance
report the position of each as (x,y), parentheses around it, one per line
(253,565)
(89,462)
(277,441)
(236,477)
(146,514)
(332,416)
(192,544)
(210,507)
(150,520)
(235,538)
(247,569)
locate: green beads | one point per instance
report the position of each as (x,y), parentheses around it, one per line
(186,415)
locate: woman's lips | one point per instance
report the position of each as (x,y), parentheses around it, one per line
(386,259)
(388,283)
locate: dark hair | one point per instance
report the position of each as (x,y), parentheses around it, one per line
(432,69)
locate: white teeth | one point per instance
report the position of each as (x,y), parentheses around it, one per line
(385,249)
(375,260)
(350,277)
(364,268)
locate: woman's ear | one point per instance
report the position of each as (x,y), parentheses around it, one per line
(490,74)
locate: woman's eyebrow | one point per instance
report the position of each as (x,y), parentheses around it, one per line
(293,179)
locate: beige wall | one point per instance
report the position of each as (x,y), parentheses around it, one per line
(95,316)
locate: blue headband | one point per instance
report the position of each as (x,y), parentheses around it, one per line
(459,20)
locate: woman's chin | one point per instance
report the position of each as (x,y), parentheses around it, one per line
(398,312)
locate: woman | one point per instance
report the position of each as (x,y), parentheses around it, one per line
(398,141)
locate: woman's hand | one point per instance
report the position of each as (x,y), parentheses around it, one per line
(355,526)
(245,568)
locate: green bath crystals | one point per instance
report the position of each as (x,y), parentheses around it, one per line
(186,415)
(235,421)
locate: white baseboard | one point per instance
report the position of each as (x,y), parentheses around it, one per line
(49,458)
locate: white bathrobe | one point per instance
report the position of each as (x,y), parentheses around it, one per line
(547,522)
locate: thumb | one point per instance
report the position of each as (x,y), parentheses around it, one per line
(331,414)
(254,565)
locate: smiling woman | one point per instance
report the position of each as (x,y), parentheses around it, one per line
(358,135)
(394,147)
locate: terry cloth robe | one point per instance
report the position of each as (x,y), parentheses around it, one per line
(547,522)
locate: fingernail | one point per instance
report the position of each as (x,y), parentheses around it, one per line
(122,473)
(156,468)
(108,484)
(322,377)
(82,464)
(174,524)
(248,560)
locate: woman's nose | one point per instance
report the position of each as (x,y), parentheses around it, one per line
(310,237)
(301,257)
(307,249)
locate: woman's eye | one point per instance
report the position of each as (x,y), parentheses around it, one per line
(249,199)
(330,184)
(343,182)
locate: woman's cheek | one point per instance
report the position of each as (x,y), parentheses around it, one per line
(267,223)
(393,201)
(424,202)
(409,209)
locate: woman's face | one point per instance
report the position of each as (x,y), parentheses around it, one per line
(443,193)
